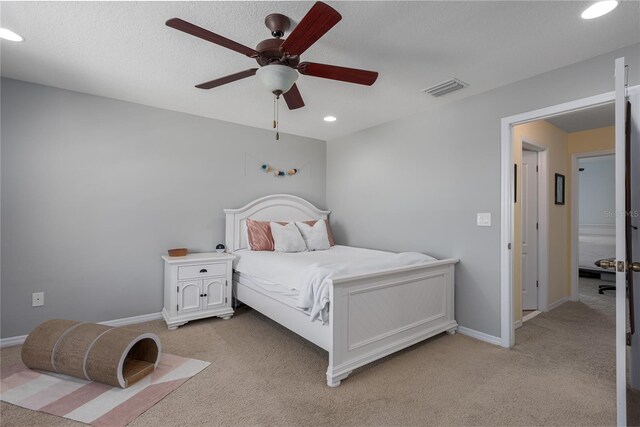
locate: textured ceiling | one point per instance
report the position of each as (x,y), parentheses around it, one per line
(123,50)
(591,118)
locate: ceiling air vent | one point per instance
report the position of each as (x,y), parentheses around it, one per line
(445,87)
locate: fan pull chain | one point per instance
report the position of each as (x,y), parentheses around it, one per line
(276,124)
(274,112)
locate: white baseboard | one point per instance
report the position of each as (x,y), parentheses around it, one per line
(133,320)
(11,341)
(517,324)
(557,303)
(530,315)
(479,335)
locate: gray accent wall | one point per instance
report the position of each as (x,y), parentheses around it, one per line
(94,190)
(416,184)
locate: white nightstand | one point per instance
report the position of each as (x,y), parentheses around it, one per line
(197,286)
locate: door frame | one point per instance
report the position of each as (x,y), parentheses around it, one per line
(543,220)
(507,325)
(575,214)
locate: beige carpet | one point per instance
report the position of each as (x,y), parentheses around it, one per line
(559,373)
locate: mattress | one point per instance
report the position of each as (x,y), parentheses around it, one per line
(593,248)
(305,276)
(288,269)
(276,291)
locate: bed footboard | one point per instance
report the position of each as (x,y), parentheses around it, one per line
(374,315)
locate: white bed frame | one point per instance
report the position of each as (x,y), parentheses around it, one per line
(604,248)
(370,315)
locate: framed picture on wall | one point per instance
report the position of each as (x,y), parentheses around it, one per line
(559,189)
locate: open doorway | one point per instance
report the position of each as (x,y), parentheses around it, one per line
(557,160)
(626,134)
(596,229)
(551,320)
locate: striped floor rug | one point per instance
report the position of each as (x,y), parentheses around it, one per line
(94,403)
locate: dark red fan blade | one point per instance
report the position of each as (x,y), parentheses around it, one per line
(320,19)
(207,35)
(293,98)
(333,72)
(227,79)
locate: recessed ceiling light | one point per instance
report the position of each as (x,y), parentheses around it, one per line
(330,119)
(10,35)
(598,9)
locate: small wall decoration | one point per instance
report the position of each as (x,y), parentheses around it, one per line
(559,189)
(277,172)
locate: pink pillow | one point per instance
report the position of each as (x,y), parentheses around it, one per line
(259,235)
(260,238)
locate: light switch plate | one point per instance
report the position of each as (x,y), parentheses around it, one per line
(37,299)
(484,219)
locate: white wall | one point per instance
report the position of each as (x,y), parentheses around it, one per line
(417,183)
(597,190)
(94,190)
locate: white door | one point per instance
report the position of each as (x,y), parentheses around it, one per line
(214,293)
(625,216)
(621,256)
(634,361)
(529,202)
(189,296)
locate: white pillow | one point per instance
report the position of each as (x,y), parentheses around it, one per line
(246,236)
(315,236)
(287,238)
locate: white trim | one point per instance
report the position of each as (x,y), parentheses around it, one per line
(491,339)
(517,324)
(507,331)
(557,303)
(11,341)
(526,318)
(575,212)
(597,229)
(530,315)
(133,320)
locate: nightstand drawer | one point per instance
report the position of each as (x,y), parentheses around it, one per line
(202,270)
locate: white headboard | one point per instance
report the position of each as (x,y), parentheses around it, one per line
(278,207)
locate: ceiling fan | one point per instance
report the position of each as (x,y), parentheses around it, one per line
(280,58)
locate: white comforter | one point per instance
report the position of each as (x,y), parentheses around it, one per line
(310,273)
(595,247)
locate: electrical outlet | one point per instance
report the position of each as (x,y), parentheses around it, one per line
(37,299)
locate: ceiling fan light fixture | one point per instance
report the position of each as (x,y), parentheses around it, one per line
(277,78)
(599,9)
